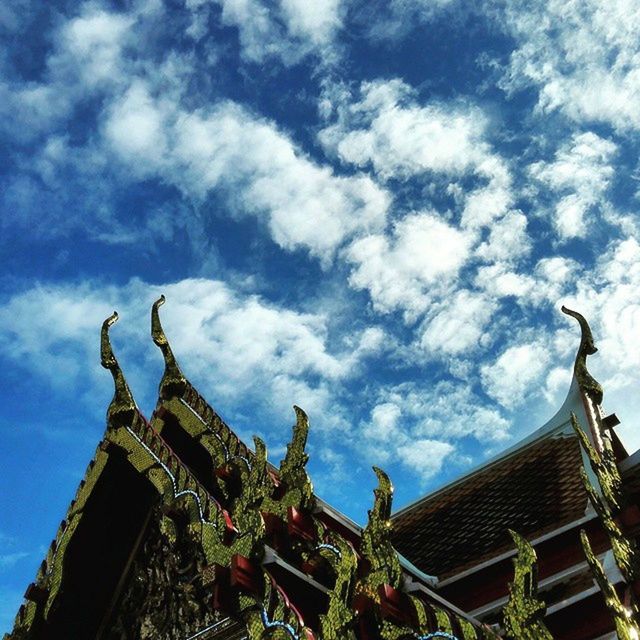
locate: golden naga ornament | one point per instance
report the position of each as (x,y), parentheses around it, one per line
(524,612)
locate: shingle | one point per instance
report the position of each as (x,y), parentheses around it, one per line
(533,491)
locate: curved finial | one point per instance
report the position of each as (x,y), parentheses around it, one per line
(587,347)
(296,458)
(173,382)
(301,430)
(123,405)
(376,545)
(293,473)
(107,359)
(383,495)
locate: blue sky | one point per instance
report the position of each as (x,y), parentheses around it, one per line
(370,209)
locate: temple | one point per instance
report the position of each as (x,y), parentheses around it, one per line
(181,531)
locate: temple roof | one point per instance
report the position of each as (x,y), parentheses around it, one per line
(272,553)
(532,487)
(532,491)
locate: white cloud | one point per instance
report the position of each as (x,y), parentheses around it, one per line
(420,426)
(449,411)
(240,346)
(87,56)
(515,374)
(92,45)
(317,21)
(200,151)
(581,56)
(424,254)
(289,29)
(547,282)
(135,127)
(580,175)
(458,325)
(425,456)
(508,238)
(383,426)
(500,282)
(388,129)
(389,436)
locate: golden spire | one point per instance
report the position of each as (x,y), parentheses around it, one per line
(173,382)
(123,405)
(587,347)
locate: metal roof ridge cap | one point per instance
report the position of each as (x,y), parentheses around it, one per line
(409,567)
(323,505)
(547,429)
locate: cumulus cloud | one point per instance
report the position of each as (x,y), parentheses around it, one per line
(580,56)
(426,457)
(92,45)
(404,271)
(388,129)
(288,30)
(234,341)
(418,264)
(205,150)
(421,427)
(515,374)
(390,441)
(508,239)
(458,325)
(87,57)
(580,175)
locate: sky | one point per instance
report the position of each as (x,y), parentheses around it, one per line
(373,210)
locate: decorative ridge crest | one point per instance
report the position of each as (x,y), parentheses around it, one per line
(376,542)
(383,496)
(292,470)
(587,347)
(123,405)
(524,612)
(173,381)
(611,507)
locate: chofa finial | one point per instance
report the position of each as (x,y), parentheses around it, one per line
(173,382)
(587,347)
(123,405)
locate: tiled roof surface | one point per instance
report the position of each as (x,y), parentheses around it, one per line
(536,490)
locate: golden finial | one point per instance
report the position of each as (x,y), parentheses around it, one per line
(123,405)
(587,347)
(173,382)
